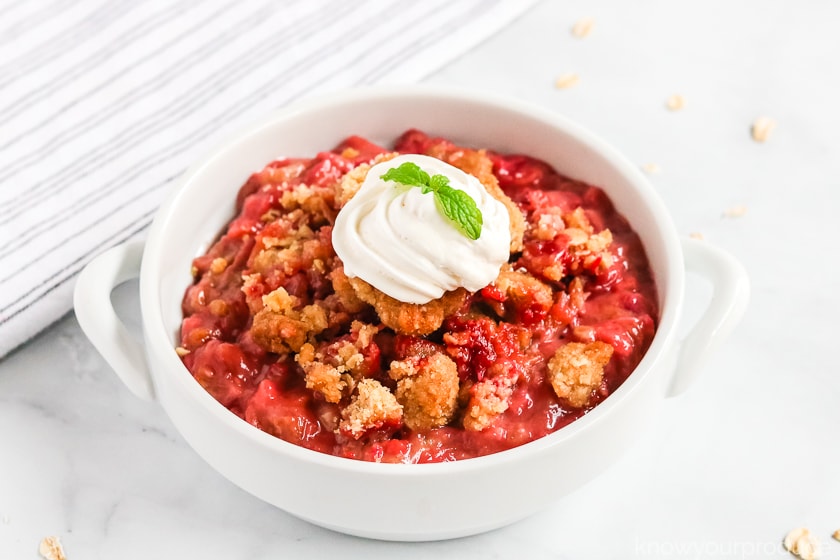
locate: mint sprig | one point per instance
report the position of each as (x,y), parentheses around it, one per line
(455,204)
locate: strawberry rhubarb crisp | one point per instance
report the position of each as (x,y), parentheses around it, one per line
(428,302)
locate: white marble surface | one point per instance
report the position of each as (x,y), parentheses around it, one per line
(748,453)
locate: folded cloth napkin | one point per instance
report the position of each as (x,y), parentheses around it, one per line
(104,103)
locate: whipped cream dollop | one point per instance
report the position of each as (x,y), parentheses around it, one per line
(396,239)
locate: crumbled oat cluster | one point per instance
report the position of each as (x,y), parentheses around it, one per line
(675,102)
(802,543)
(583,27)
(277,332)
(567,81)
(762,128)
(51,549)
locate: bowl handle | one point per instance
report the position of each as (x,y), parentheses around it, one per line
(731,293)
(99,320)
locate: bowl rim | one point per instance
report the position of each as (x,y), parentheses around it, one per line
(158,342)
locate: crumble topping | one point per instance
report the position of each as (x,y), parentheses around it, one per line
(283,324)
(218,265)
(576,370)
(409,318)
(487,400)
(373,406)
(334,368)
(549,224)
(427,389)
(352,181)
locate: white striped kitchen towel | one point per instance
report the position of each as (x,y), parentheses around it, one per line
(103,103)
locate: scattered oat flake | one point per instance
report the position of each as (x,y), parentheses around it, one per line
(793,536)
(583,27)
(761,128)
(735,212)
(181,351)
(696,235)
(651,168)
(802,544)
(836,535)
(675,102)
(50,548)
(566,81)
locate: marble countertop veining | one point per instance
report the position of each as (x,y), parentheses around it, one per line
(748,453)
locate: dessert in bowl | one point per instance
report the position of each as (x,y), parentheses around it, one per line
(344,310)
(503,471)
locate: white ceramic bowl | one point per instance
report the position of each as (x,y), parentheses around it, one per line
(386,501)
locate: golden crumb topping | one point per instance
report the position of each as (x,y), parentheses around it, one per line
(334,368)
(576,370)
(352,181)
(373,406)
(409,318)
(282,325)
(427,389)
(487,400)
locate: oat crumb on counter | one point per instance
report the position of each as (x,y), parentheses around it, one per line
(761,128)
(802,543)
(651,168)
(566,81)
(675,102)
(735,211)
(50,548)
(836,535)
(696,235)
(583,27)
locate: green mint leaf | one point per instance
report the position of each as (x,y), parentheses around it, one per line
(407,174)
(438,182)
(459,207)
(456,205)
